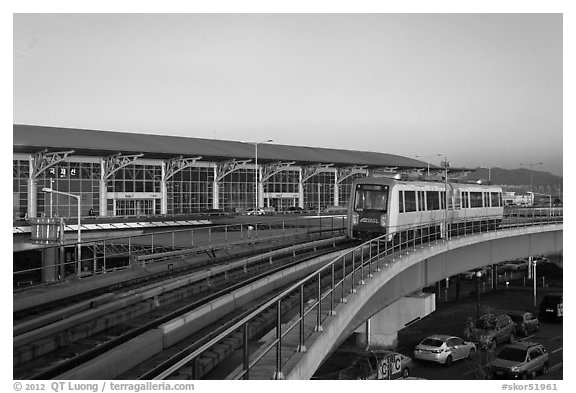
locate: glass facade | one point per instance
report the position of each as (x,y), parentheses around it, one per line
(135,178)
(78,178)
(20,174)
(136,189)
(190,190)
(345,188)
(319,189)
(237,190)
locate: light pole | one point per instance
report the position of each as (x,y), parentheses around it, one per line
(534,266)
(256,173)
(427,162)
(78,246)
(478,275)
(532,165)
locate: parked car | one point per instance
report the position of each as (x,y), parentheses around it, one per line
(517,265)
(520,360)
(295,209)
(378,364)
(444,349)
(489,331)
(552,307)
(255,212)
(524,322)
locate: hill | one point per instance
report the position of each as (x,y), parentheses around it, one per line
(519,179)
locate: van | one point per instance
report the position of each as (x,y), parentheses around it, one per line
(552,307)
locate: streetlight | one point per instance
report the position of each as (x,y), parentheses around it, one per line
(256,172)
(534,266)
(478,275)
(78,246)
(532,165)
(427,162)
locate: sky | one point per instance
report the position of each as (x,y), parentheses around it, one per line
(481,89)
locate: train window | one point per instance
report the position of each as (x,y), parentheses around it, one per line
(401,201)
(421,205)
(475,199)
(442,199)
(486,199)
(410,201)
(433,200)
(371,197)
(494,198)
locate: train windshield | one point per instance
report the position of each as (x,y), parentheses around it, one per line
(371,197)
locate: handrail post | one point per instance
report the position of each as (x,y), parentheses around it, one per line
(332,289)
(343,298)
(352,289)
(278,374)
(301,346)
(362,282)
(245,352)
(318,327)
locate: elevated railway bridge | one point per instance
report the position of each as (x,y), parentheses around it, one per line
(315,314)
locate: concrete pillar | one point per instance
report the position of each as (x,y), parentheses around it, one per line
(31,198)
(381,330)
(49,264)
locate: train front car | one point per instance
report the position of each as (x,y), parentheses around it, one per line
(369,207)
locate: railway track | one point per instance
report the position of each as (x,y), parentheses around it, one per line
(78,344)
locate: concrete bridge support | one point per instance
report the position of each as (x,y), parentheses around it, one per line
(381,330)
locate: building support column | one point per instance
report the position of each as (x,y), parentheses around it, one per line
(216,190)
(300,190)
(163,191)
(31,208)
(103,191)
(336,189)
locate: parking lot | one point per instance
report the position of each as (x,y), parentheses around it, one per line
(450,318)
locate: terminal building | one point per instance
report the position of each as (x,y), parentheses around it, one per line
(130,174)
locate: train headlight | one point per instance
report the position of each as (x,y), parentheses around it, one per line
(383,220)
(354,218)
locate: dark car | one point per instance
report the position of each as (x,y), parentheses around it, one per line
(520,360)
(490,330)
(524,322)
(552,307)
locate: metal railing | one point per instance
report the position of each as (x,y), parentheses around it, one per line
(111,254)
(315,297)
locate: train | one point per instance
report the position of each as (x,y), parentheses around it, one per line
(385,205)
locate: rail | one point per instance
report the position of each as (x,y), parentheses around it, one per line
(358,263)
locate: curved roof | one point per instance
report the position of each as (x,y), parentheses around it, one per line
(31,139)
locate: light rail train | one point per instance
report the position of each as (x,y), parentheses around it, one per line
(383,205)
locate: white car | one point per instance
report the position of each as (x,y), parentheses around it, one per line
(444,349)
(255,212)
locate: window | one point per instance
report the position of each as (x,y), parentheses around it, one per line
(371,197)
(486,196)
(495,199)
(475,199)
(432,200)
(410,201)
(401,201)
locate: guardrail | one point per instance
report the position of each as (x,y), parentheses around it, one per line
(325,287)
(117,253)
